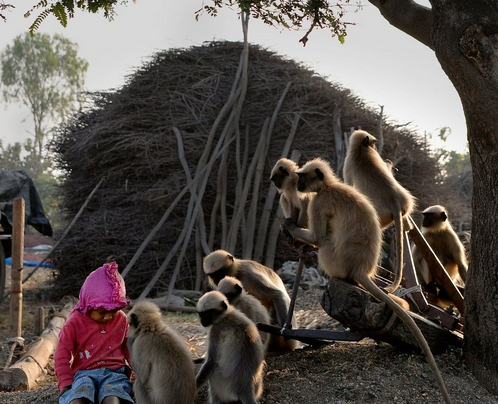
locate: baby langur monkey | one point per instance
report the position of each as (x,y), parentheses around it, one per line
(236,295)
(234,360)
(437,230)
(162,363)
(344,226)
(365,170)
(293,203)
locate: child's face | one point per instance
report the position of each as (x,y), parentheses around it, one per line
(101,315)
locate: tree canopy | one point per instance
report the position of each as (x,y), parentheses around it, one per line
(64,10)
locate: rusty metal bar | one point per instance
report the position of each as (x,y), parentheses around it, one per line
(307,335)
(295,289)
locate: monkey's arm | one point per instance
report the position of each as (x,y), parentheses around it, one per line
(300,234)
(208,366)
(285,205)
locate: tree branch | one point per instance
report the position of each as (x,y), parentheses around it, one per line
(408,16)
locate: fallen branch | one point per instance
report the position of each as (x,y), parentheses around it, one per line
(23,374)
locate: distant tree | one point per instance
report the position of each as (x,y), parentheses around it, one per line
(45,74)
(458,175)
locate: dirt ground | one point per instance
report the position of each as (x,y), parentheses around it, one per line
(339,373)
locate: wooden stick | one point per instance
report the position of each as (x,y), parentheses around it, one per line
(380,134)
(272,192)
(338,139)
(234,225)
(187,229)
(15,314)
(39,320)
(253,207)
(68,228)
(163,219)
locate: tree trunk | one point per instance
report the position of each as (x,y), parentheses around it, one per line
(464,36)
(466,44)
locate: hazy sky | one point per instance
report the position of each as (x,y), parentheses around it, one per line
(378,63)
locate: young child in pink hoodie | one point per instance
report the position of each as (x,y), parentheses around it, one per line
(92,357)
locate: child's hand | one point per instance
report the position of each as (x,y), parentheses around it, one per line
(64,389)
(133,376)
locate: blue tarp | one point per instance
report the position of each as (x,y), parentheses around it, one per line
(8,261)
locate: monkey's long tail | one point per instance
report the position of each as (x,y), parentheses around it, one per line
(410,323)
(398,228)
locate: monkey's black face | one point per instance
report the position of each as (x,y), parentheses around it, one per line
(234,294)
(433,218)
(301,182)
(231,295)
(427,221)
(219,274)
(207,317)
(279,178)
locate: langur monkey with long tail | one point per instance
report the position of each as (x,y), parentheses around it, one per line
(344,226)
(365,170)
(293,203)
(234,360)
(236,295)
(437,230)
(162,363)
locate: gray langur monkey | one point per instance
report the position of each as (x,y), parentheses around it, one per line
(344,226)
(236,295)
(293,203)
(234,359)
(365,170)
(160,359)
(437,230)
(258,280)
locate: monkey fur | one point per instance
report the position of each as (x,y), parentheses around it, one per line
(437,230)
(234,361)
(343,224)
(365,170)
(293,203)
(257,279)
(236,295)
(160,359)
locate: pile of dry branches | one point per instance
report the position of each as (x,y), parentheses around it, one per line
(194,134)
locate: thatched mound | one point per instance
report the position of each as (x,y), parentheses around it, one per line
(127,138)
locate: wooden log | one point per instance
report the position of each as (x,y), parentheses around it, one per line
(22,375)
(361,312)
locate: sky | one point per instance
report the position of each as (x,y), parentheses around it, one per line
(377,62)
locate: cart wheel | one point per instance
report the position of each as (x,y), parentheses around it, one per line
(3,271)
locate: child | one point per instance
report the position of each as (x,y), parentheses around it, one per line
(92,357)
